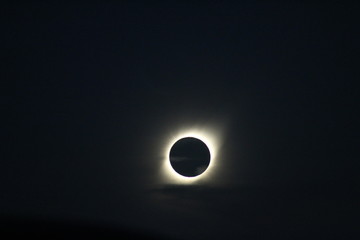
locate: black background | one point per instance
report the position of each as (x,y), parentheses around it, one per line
(90,91)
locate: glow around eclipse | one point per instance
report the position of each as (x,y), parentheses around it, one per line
(209,137)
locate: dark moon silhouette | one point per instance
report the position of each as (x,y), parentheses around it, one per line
(189,157)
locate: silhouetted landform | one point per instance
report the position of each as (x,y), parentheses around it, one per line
(297,212)
(25,227)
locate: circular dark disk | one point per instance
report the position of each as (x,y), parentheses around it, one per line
(189,157)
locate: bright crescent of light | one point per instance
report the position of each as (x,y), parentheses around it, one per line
(210,138)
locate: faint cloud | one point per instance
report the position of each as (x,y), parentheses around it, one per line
(201,169)
(179,159)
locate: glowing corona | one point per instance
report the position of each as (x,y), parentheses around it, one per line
(208,137)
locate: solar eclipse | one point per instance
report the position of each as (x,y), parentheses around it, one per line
(189,157)
(209,136)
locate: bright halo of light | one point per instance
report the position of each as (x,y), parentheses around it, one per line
(208,137)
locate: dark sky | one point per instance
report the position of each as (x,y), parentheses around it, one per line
(92,92)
